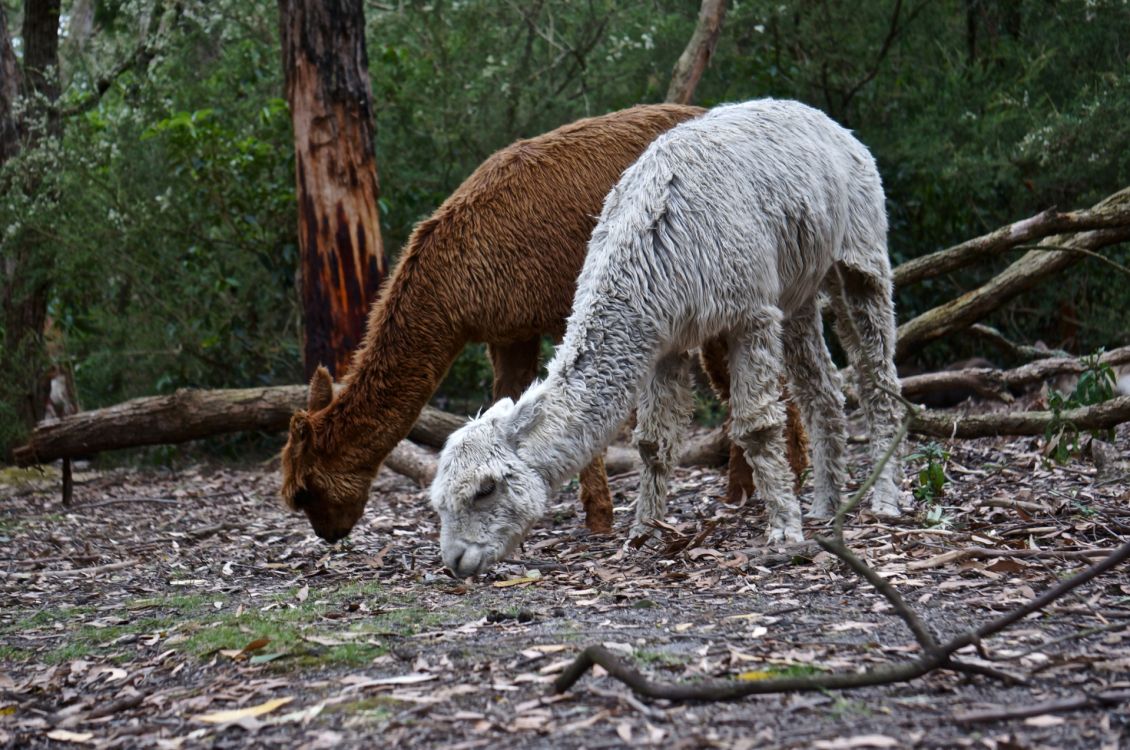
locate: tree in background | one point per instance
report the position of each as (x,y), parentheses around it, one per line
(327,86)
(28,118)
(700,48)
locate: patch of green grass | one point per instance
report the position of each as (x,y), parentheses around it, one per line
(17,477)
(286,627)
(376,709)
(45,617)
(181,603)
(657,658)
(845,707)
(796,670)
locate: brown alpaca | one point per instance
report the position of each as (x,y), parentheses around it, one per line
(496,263)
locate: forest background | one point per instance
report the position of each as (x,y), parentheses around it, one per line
(160,216)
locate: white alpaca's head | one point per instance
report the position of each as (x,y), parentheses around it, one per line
(486,494)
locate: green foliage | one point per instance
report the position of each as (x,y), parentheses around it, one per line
(1096,384)
(932,479)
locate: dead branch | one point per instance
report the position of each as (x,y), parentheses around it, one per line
(948,425)
(412,461)
(1011,348)
(1032,268)
(700,48)
(1023,232)
(1096,700)
(934,656)
(996,384)
(969,553)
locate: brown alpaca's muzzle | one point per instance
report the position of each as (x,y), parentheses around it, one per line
(332,517)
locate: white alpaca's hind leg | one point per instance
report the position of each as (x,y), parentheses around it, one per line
(758,422)
(817,389)
(866,324)
(665,407)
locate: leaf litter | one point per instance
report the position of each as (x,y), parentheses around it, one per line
(221,621)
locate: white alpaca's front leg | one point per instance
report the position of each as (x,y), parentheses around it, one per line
(758,422)
(817,389)
(665,407)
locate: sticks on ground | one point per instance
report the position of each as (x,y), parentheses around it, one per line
(935,655)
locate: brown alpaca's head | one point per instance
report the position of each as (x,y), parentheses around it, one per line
(319,483)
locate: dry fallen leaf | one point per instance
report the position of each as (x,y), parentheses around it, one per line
(859,741)
(62,735)
(1045,720)
(222,717)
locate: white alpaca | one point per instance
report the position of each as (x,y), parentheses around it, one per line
(730,225)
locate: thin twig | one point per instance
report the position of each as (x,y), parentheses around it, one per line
(1097,700)
(924,637)
(1076,250)
(958,555)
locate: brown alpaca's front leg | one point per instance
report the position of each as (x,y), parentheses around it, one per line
(515,367)
(596,497)
(714,356)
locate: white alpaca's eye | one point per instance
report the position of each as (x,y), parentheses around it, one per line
(486,489)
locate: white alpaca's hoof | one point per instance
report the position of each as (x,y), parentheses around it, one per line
(885,506)
(790,534)
(642,534)
(822,508)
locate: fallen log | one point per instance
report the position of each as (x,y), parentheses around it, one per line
(1056,253)
(996,384)
(191,414)
(1023,232)
(948,425)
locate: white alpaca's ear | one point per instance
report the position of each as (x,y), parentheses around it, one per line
(499,408)
(524,420)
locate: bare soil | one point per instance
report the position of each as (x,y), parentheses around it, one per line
(161,598)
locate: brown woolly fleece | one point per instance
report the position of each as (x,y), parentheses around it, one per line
(496,263)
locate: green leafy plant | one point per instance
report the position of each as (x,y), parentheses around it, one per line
(1096,384)
(932,479)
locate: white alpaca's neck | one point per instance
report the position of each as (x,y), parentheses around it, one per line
(591,387)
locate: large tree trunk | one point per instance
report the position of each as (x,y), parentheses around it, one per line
(700,48)
(9,92)
(26,268)
(327,86)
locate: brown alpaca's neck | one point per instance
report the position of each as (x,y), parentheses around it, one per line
(409,345)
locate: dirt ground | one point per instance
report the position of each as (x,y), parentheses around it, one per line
(161,599)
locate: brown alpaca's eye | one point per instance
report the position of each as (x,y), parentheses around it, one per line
(302,498)
(486,489)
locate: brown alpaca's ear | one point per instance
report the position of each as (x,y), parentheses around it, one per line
(321,390)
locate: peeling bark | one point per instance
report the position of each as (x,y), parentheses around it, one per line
(327,86)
